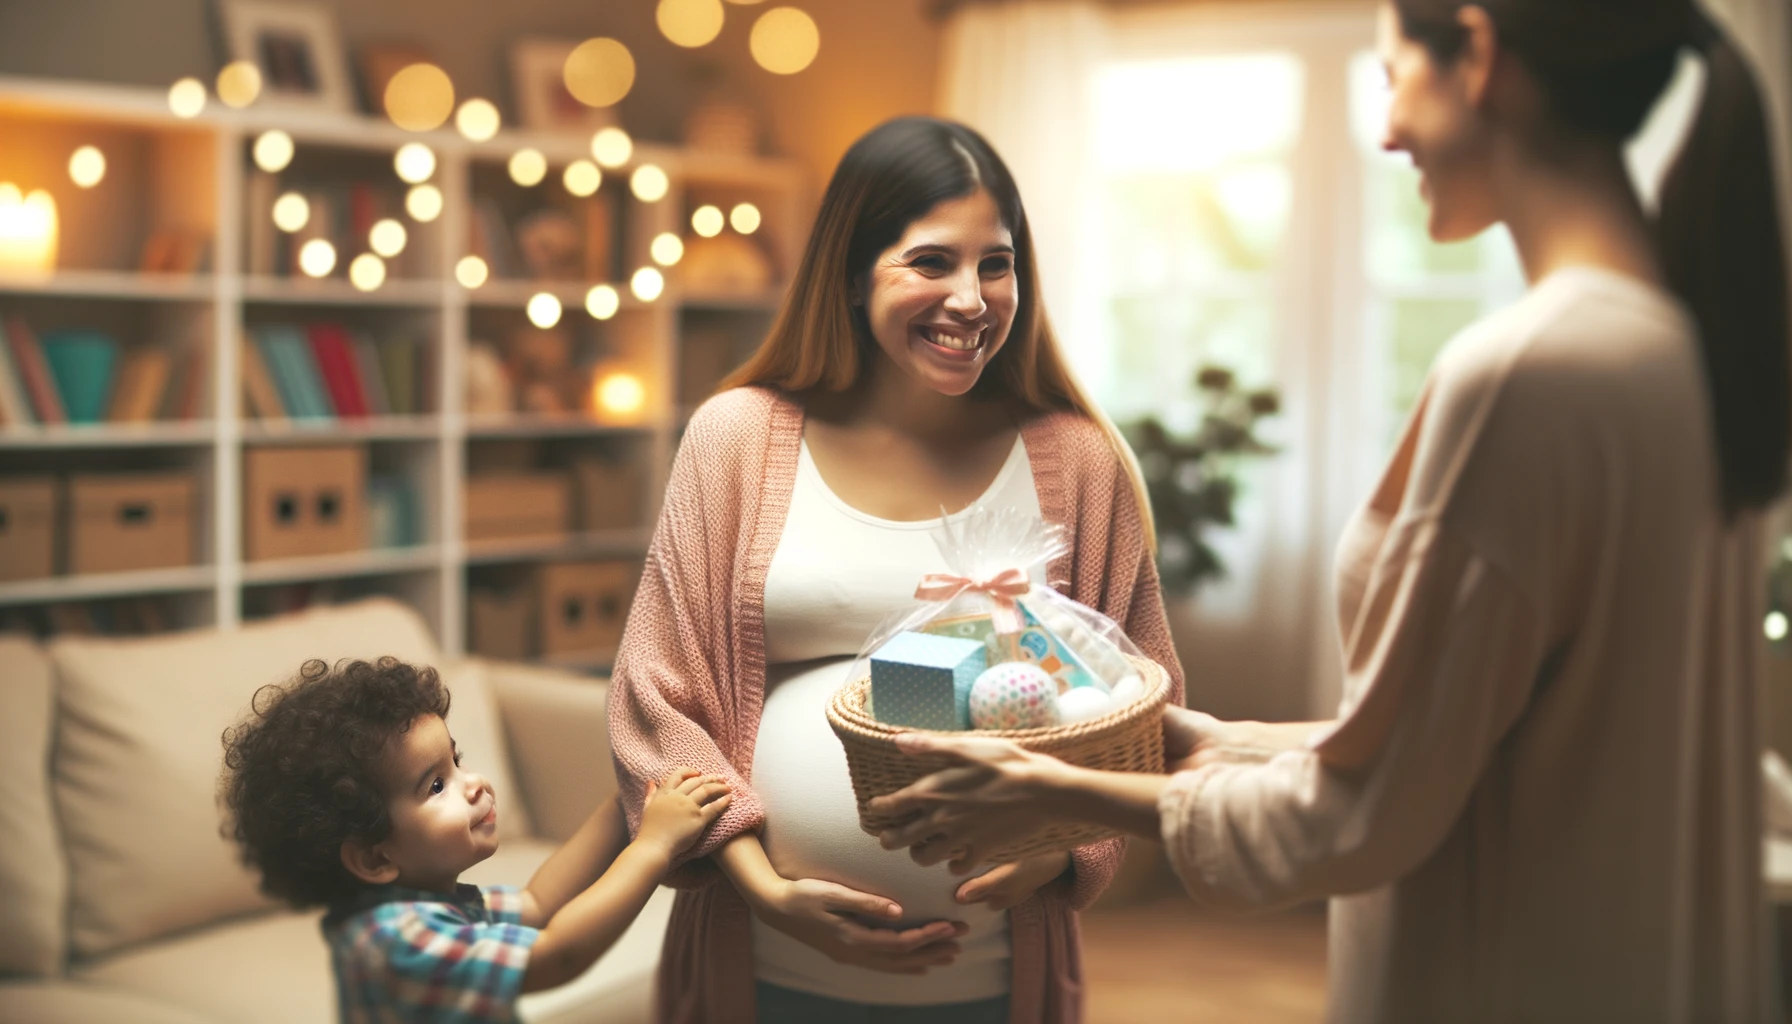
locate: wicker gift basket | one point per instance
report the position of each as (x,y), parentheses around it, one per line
(1127,739)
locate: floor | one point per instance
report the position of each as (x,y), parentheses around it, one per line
(1163,959)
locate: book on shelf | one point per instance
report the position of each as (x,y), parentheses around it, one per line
(261,236)
(34,371)
(326,371)
(82,363)
(15,407)
(142,382)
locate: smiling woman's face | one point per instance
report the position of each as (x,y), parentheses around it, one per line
(1433,119)
(941,300)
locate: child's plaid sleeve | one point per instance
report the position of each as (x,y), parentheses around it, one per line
(503,902)
(444,969)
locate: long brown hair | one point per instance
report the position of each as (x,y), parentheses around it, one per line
(890,178)
(1603,66)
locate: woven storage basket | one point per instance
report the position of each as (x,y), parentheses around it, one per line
(1130,739)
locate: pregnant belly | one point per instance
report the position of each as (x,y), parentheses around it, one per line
(812,822)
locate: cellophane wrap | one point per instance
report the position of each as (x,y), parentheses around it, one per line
(997,556)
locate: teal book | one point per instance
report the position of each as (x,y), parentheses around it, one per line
(295,372)
(83,364)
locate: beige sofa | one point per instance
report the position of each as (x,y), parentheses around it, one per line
(121,902)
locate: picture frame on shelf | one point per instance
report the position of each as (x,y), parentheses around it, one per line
(297,48)
(378,63)
(538,88)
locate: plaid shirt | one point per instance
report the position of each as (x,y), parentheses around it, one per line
(403,956)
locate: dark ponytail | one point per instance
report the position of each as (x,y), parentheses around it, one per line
(1719,235)
(1604,66)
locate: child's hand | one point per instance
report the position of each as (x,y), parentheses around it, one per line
(679,807)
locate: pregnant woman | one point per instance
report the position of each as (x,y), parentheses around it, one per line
(910,371)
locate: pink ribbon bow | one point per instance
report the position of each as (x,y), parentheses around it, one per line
(1002,589)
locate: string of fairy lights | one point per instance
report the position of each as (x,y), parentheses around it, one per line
(599,72)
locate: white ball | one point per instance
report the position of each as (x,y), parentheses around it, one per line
(1128,690)
(1014,695)
(1082,703)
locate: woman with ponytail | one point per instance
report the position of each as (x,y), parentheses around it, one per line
(1541,799)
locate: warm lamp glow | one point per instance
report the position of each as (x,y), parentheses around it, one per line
(423,202)
(745,218)
(544,310)
(291,212)
(87,166)
(647,284)
(478,119)
(528,167)
(599,72)
(602,302)
(1775,626)
(649,183)
(784,40)
(619,394)
(707,221)
(239,83)
(414,163)
(186,97)
(317,258)
(666,248)
(582,178)
(367,272)
(28,231)
(471,271)
(419,98)
(611,147)
(387,237)
(273,150)
(689,23)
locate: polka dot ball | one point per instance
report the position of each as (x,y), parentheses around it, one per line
(1014,695)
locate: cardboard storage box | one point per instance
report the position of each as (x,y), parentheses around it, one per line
(119,522)
(27,527)
(501,623)
(608,493)
(304,501)
(581,607)
(517,506)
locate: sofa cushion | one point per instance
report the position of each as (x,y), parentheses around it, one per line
(275,968)
(559,746)
(33,877)
(138,753)
(474,724)
(60,1002)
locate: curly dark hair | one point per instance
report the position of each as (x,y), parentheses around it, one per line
(301,771)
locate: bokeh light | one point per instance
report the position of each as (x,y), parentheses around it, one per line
(387,237)
(367,272)
(471,271)
(647,284)
(478,119)
(745,218)
(423,203)
(528,167)
(317,258)
(649,183)
(273,150)
(582,178)
(666,248)
(414,162)
(291,212)
(544,310)
(784,40)
(599,72)
(186,97)
(87,166)
(689,23)
(620,394)
(419,98)
(239,83)
(602,302)
(707,220)
(611,147)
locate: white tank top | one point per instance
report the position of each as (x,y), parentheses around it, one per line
(837,574)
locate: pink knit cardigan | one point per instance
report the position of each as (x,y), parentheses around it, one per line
(690,677)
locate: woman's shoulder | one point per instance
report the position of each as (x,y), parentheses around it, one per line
(739,420)
(1071,438)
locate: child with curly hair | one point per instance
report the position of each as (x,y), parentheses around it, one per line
(345,790)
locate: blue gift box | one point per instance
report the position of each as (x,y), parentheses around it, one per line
(924,681)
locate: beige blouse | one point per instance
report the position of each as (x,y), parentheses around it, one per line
(1541,801)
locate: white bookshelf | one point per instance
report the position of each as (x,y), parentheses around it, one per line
(165,171)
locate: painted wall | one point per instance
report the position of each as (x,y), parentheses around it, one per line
(878,58)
